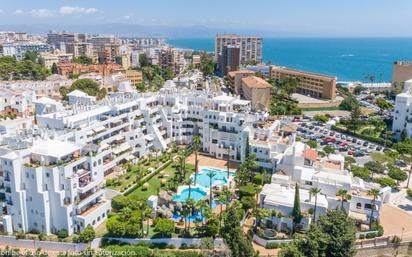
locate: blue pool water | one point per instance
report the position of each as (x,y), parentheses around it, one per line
(219,179)
(195,216)
(195,193)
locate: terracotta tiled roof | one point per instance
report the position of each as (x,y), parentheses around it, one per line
(310,154)
(256,82)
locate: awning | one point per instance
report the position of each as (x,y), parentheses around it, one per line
(118,138)
(149,138)
(99,129)
(121,149)
(104,146)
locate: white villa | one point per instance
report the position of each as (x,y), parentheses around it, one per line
(300,164)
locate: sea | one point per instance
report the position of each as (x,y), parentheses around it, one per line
(349,59)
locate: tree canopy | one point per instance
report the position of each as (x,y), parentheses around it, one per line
(333,236)
(88,86)
(11,69)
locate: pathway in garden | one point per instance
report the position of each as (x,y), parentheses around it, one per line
(262,250)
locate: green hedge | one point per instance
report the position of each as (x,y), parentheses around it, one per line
(144,180)
(378,140)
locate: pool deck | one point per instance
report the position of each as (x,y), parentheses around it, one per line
(211,162)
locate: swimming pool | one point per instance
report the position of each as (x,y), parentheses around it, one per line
(196,216)
(195,193)
(220,178)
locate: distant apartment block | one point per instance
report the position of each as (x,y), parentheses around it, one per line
(59,40)
(19,49)
(80,48)
(229,60)
(258,91)
(402,71)
(312,84)
(250,47)
(135,76)
(235,77)
(48,59)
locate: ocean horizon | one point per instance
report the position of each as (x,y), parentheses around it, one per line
(349,59)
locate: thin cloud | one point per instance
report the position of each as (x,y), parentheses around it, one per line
(77,10)
(39,13)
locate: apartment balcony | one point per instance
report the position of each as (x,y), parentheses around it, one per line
(89,197)
(95,207)
(87,185)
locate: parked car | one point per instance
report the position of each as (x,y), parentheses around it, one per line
(358,154)
(366,143)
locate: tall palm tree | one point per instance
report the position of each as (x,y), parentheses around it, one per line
(407,158)
(344,196)
(196,148)
(182,164)
(228,161)
(315,191)
(190,203)
(211,174)
(374,193)
(201,205)
(185,212)
(189,183)
(223,198)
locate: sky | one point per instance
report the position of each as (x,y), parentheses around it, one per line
(346,18)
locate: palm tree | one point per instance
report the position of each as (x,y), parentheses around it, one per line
(201,205)
(374,193)
(315,191)
(189,183)
(211,174)
(182,164)
(223,198)
(185,212)
(407,158)
(196,148)
(344,196)
(190,203)
(228,161)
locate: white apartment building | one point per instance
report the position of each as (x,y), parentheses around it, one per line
(16,102)
(402,114)
(19,49)
(55,180)
(301,164)
(250,47)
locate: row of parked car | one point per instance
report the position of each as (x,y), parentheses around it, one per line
(344,143)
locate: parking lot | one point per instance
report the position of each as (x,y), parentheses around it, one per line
(342,143)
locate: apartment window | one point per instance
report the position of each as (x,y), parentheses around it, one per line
(47,175)
(358,206)
(368,206)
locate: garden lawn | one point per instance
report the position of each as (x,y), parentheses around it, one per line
(154,183)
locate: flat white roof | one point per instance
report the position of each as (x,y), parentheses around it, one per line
(284,196)
(77,93)
(54,148)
